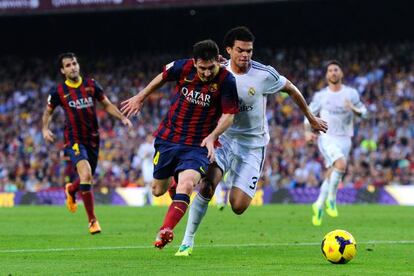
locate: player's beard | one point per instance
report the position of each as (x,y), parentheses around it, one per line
(334,80)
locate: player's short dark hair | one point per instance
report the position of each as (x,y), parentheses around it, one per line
(62,56)
(332,62)
(205,50)
(241,33)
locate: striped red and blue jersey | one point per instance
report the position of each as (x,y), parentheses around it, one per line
(196,106)
(79,105)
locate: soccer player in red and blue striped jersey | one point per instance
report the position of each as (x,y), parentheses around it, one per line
(203,105)
(78,97)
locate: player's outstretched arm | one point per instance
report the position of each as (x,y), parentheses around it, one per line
(359,110)
(114,111)
(46,118)
(225,121)
(134,104)
(317,124)
(310,136)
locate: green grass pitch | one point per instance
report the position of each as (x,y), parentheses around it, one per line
(267,240)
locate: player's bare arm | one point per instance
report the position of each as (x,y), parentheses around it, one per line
(317,124)
(226,120)
(134,104)
(114,111)
(351,106)
(46,118)
(310,136)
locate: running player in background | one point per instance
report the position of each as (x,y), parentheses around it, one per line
(145,154)
(203,105)
(77,97)
(337,104)
(242,150)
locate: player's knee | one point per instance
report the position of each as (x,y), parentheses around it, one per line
(239,200)
(85,177)
(157,190)
(238,206)
(157,193)
(340,165)
(238,209)
(206,188)
(185,186)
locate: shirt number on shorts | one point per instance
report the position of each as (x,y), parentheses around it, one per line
(75,148)
(253,185)
(156,157)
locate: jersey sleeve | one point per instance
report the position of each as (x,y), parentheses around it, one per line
(274,82)
(99,93)
(315,105)
(229,98)
(53,100)
(172,71)
(356,101)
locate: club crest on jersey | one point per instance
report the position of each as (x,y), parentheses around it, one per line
(251,91)
(213,87)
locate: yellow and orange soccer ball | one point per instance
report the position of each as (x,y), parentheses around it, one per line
(339,247)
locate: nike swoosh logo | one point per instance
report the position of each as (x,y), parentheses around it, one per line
(202,170)
(67,95)
(179,209)
(187,80)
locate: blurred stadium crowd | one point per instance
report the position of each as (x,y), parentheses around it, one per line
(382,152)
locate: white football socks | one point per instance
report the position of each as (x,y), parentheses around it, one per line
(336,177)
(323,194)
(197,211)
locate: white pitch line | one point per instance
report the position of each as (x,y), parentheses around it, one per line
(41,250)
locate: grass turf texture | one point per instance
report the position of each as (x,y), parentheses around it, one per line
(268,240)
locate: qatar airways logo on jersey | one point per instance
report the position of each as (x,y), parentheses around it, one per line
(196,97)
(81,103)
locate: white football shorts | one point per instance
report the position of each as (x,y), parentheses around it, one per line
(334,147)
(241,165)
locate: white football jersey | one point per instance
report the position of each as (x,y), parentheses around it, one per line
(250,126)
(331,107)
(146,153)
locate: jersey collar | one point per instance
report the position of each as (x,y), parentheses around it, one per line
(73,84)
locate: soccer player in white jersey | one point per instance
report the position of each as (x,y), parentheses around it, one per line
(146,153)
(242,149)
(337,104)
